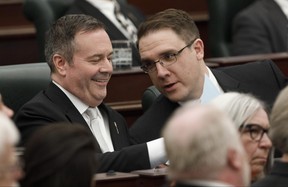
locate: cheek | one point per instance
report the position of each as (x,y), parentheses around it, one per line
(249,146)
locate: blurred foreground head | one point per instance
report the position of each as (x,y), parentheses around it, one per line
(203,144)
(10,171)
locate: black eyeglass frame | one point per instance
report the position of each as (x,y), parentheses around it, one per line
(160,60)
(252,128)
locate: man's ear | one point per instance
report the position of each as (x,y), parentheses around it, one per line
(234,159)
(60,64)
(199,48)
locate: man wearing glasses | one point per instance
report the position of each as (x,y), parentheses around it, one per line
(172,54)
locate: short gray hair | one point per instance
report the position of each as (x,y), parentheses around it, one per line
(198,143)
(238,106)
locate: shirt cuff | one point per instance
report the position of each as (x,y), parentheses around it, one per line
(156,151)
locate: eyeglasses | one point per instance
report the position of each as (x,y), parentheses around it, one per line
(165,60)
(255,131)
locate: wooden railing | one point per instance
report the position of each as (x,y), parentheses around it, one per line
(281,59)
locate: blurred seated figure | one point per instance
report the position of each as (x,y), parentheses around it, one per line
(204,149)
(251,119)
(10,170)
(120,18)
(278,133)
(57,156)
(261,28)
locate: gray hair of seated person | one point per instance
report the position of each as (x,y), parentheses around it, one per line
(279,122)
(178,21)
(238,106)
(60,36)
(60,155)
(199,147)
(9,135)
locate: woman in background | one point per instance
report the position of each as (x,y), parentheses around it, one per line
(251,119)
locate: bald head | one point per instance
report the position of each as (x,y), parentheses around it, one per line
(197,140)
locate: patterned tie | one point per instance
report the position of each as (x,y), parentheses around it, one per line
(125,22)
(95,128)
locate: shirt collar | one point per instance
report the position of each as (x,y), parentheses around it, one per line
(81,107)
(212,79)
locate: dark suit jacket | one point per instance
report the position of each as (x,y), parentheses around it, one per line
(260,28)
(135,15)
(263,79)
(52,105)
(278,176)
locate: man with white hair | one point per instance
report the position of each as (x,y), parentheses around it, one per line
(204,148)
(10,171)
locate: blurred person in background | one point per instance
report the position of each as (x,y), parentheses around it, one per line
(251,119)
(120,18)
(261,28)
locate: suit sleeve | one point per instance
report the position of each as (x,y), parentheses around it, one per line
(127,159)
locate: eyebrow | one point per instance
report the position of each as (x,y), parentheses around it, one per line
(173,51)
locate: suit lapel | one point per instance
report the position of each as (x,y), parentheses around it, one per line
(56,95)
(275,11)
(226,82)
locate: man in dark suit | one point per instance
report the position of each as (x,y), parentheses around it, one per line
(278,133)
(204,149)
(104,10)
(79,53)
(261,28)
(172,54)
